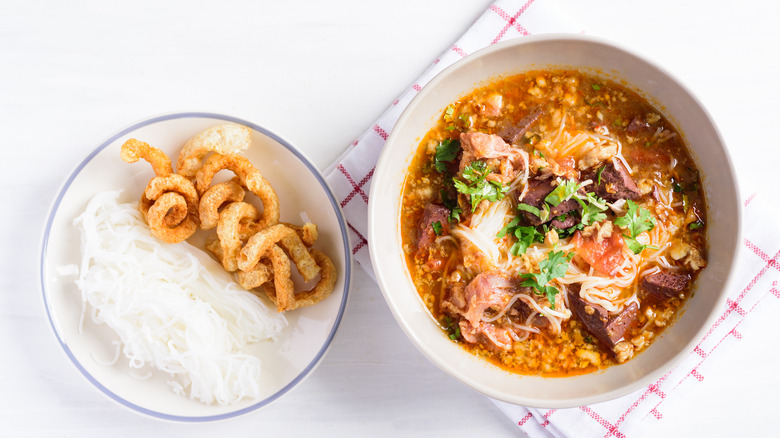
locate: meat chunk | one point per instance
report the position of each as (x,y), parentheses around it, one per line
(522,311)
(637,125)
(596,319)
(489,290)
(597,155)
(513,133)
(432,214)
(480,146)
(491,336)
(492,105)
(537,191)
(663,286)
(568,222)
(612,183)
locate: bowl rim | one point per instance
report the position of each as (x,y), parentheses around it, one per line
(43,252)
(382,276)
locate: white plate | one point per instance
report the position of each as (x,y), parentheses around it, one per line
(303,195)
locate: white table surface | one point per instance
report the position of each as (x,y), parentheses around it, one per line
(319,73)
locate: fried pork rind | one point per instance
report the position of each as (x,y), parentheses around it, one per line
(229,138)
(133,150)
(231,220)
(261,273)
(252,244)
(169,203)
(308,232)
(214,198)
(286,299)
(259,244)
(250,177)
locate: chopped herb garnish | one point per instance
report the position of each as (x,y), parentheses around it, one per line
(446,151)
(695,225)
(542,214)
(598,174)
(677,187)
(478,187)
(465,119)
(452,205)
(437,228)
(450,327)
(593,209)
(448,112)
(554,266)
(532,139)
(525,236)
(564,192)
(596,87)
(637,220)
(562,234)
(539,153)
(588,339)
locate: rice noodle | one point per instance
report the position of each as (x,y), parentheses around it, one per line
(172,307)
(484,225)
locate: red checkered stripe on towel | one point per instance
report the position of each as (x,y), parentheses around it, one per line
(358,174)
(733,308)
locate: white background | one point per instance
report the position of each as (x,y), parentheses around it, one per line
(319,73)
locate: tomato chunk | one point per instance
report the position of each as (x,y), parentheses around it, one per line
(603,256)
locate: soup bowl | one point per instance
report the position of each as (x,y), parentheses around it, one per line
(602,59)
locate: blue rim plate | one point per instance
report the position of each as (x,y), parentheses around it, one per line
(304,195)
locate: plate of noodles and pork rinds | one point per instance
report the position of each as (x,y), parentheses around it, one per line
(195,267)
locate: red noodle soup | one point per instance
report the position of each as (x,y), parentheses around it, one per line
(553,222)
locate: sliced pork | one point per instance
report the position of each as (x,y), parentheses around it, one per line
(432,214)
(663,286)
(513,133)
(481,146)
(596,319)
(537,191)
(612,183)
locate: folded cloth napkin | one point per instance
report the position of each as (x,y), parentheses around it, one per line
(758,274)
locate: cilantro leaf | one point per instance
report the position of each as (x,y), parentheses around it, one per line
(508,228)
(542,214)
(554,266)
(437,228)
(525,236)
(637,220)
(446,151)
(529,208)
(695,225)
(593,209)
(596,87)
(451,204)
(564,192)
(478,188)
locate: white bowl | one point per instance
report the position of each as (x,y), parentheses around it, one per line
(602,59)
